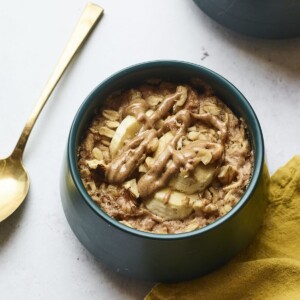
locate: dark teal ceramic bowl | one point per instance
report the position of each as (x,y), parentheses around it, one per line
(158,257)
(259,18)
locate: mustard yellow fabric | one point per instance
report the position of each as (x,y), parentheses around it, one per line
(270,267)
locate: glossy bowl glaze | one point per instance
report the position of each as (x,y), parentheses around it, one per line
(158,257)
(259,18)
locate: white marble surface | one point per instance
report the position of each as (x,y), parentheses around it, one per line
(40,258)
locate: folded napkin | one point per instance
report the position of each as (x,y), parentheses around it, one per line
(270,267)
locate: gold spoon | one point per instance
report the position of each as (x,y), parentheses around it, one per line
(14,180)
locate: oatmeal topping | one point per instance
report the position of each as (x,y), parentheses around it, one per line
(165,158)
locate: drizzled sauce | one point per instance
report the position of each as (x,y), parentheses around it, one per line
(170,161)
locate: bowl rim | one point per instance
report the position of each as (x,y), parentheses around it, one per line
(72,161)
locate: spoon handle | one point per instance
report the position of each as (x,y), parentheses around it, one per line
(86,23)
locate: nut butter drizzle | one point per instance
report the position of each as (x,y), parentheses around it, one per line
(170,161)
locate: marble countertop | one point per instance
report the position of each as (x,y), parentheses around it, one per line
(40,258)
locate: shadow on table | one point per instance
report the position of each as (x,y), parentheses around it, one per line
(9,226)
(130,288)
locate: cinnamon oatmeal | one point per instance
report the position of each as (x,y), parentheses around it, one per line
(165,157)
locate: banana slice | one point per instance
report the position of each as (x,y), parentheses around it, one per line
(171,205)
(202,177)
(126,130)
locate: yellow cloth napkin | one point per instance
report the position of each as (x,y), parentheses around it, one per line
(270,267)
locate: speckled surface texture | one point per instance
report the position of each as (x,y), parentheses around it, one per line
(40,258)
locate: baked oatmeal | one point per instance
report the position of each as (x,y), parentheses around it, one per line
(164,157)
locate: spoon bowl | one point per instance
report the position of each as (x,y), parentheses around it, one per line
(14,185)
(14,180)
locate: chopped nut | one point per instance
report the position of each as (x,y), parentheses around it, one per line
(97,153)
(143,168)
(227,207)
(106,132)
(182,99)
(230,199)
(185,142)
(210,208)
(149,112)
(212,108)
(112,190)
(193,135)
(153,100)
(227,174)
(184,172)
(203,137)
(162,230)
(132,187)
(85,172)
(149,161)
(95,163)
(111,115)
(215,194)
(91,186)
(198,205)
(207,194)
(205,156)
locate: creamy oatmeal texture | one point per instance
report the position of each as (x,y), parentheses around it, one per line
(165,157)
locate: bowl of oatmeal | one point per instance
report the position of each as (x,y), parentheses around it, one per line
(164,176)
